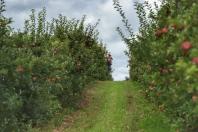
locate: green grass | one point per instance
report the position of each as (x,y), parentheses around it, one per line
(115,107)
(144,115)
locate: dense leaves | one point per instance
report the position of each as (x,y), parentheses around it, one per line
(163,58)
(45,67)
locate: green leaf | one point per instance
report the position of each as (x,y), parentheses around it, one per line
(4,71)
(194,53)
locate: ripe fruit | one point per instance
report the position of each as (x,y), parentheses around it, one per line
(195,60)
(162,31)
(186,46)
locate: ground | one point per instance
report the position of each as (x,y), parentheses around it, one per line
(114,107)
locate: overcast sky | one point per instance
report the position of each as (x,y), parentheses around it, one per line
(94,9)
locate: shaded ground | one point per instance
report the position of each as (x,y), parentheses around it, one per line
(114,107)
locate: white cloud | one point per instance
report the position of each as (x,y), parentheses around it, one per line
(121,73)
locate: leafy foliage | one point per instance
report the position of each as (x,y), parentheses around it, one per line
(45,67)
(163,58)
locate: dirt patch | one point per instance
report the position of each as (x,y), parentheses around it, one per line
(130,102)
(86,98)
(131,111)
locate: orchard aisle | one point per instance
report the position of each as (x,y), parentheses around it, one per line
(115,107)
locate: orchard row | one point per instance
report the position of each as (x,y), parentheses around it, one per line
(164,58)
(45,67)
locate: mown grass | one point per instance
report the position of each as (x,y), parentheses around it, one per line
(115,107)
(144,116)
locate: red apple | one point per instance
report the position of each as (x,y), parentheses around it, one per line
(164,30)
(195,60)
(186,46)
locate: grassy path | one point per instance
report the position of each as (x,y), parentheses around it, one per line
(115,107)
